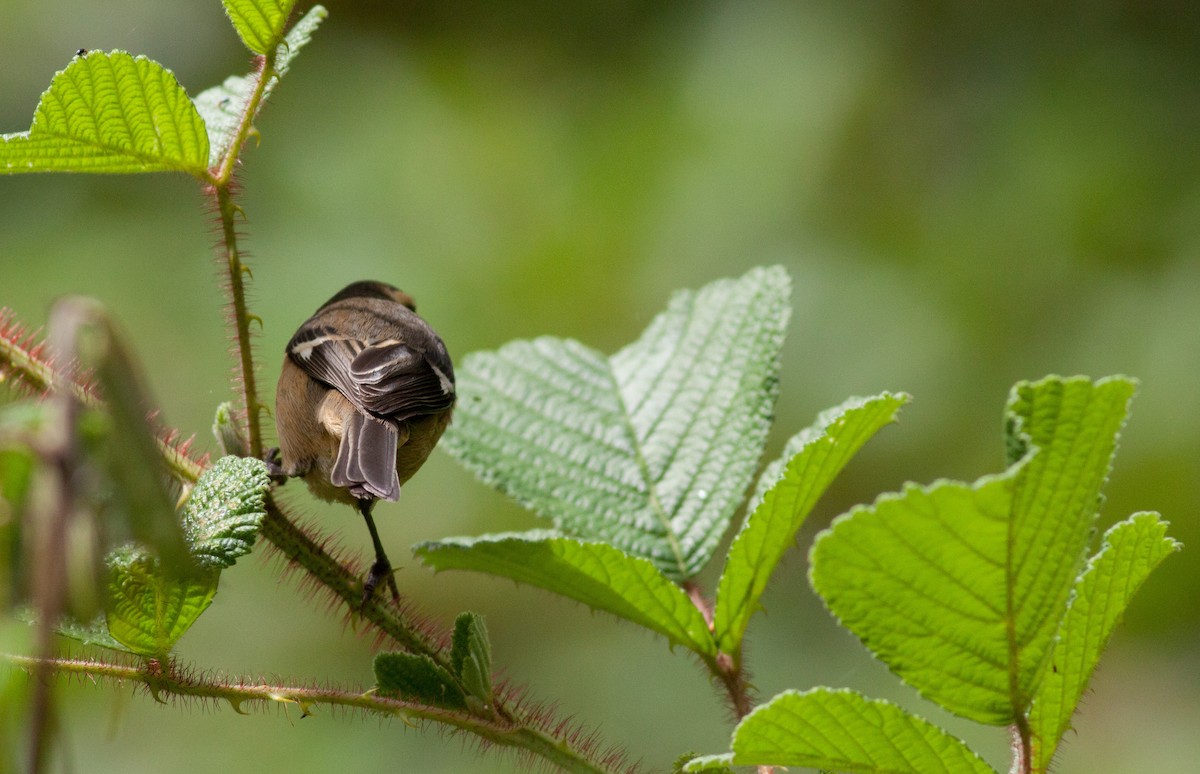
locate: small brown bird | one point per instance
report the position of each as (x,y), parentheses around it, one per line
(366,391)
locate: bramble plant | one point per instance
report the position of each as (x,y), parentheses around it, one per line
(985,597)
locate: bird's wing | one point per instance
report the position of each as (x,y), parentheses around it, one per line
(386,378)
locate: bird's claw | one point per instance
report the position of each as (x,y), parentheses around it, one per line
(274,463)
(380,570)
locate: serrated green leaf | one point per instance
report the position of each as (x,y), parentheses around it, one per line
(650,450)
(471,656)
(597,574)
(813,457)
(1074,425)
(259,23)
(223,515)
(148,610)
(418,678)
(959,588)
(110,113)
(1132,550)
(841,730)
(919,577)
(222,106)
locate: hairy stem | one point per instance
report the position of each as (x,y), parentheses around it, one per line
(163,680)
(241,315)
(725,668)
(220,182)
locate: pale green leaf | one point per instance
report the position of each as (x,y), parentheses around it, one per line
(1132,550)
(259,23)
(95,633)
(960,588)
(110,113)
(597,574)
(223,106)
(149,609)
(651,450)
(227,432)
(840,730)
(709,764)
(415,676)
(223,515)
(813,459)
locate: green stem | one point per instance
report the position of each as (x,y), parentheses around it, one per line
(220,181)
(725,668)
(166,679)
(241,316)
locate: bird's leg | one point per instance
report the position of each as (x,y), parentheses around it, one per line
(382,568)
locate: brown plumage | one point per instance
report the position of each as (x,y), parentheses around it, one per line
(366,391)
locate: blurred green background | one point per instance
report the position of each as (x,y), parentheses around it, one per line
(965,195)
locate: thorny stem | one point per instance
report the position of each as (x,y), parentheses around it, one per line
(165,679)
(241,316)
(220,182)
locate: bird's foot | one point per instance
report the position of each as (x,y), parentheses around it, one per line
(274,463)
(380,570)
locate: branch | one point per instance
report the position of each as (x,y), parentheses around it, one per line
(220,183)
(163,680)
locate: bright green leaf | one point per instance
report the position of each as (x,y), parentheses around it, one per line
(148,609)
(110,113)
(223,514)
(417,678)
(596,574)
(222,106)
(919,577)
(841,730)
(1074,426)
(1131,551)
(960,588)
(471,656)
(259,23)
(813,457)
(650,450)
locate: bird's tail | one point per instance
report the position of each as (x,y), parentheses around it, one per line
(366,459)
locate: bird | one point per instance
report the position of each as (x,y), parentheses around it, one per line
(366,391)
